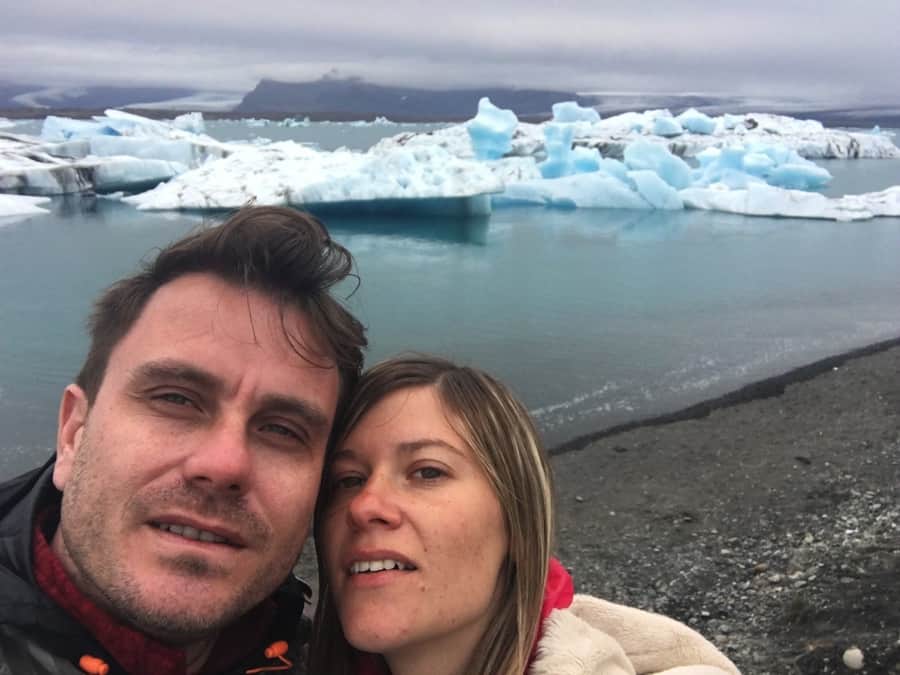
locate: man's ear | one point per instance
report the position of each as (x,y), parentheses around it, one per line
(73,410)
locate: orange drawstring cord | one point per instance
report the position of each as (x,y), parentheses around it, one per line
(92,665)
(276,650)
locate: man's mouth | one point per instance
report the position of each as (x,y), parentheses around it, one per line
(368,566)
(193,533)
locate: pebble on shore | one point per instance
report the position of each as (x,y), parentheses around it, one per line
(853,658)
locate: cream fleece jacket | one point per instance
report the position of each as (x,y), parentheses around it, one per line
(595,637)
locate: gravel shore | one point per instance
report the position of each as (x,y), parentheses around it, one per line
(768,519)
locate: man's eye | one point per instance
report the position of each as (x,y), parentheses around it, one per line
(174,397)
(280,430)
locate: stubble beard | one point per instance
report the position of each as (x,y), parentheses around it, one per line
(87,528)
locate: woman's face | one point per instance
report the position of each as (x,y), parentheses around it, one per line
(413,535)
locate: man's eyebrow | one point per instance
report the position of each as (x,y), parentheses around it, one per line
(174,370)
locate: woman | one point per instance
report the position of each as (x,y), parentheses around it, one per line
(434,531)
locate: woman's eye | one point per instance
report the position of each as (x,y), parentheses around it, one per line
(429,473)
(348,482)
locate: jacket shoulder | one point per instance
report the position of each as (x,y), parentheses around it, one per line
(596,637)
(22,654)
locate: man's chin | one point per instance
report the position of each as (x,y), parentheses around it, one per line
(180,624)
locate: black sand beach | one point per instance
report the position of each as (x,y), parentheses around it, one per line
(767,519)
(772,525)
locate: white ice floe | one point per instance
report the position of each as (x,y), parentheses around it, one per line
(18,205)
(291,174)
(765,200)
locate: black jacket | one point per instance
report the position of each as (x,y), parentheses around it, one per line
(38,638)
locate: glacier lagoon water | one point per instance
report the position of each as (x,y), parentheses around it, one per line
(593,317)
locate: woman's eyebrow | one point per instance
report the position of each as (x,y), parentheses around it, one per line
(406,447)
(419,444)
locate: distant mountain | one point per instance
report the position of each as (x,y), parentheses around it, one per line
(356,98)
(87,98)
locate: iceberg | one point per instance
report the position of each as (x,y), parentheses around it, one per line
(562,158)
(578,191)
(739,165)
(647,155)
(288,173)
(491,130)
(658,193)
(570,111)
(613,134)
(25,168)
(696,122)
(116,151)
(667,126)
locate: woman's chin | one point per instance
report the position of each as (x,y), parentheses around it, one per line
(375,640)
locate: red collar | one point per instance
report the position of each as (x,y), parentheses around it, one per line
(137,653)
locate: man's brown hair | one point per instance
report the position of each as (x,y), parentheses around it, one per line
(283,253)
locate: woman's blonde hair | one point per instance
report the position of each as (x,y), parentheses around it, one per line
(507,447)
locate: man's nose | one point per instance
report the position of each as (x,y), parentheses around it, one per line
(221,459)
(377,503)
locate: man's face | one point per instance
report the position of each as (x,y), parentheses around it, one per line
(189,484)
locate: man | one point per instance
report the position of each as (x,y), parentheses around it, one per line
(160,539)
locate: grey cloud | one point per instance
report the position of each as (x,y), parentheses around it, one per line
(731,47)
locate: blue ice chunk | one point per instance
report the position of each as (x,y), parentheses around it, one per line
(758,163)
(585,160)
(643,154)
(795,176)
(614,168)
(732,121)
(696,121)
(491,130)
(667,126)
(738,166)
(655,190)
(570,111)
(707,156)
(558,146)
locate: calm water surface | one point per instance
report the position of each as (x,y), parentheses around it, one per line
(594,317)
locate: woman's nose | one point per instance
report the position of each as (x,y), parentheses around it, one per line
(377,503)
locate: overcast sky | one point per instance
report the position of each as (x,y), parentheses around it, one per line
(821,50)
